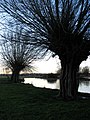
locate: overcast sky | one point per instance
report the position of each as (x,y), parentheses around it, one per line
(50,66)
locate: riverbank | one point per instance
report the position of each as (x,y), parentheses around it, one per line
(46,76)
(25,102)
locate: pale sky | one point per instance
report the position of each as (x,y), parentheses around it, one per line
(86,63)
(51,65)
(47,66)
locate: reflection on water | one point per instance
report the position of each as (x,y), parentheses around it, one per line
(86,83)
(42,83)
(84,86)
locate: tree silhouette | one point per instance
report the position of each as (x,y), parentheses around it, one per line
(61,26)
(85,70)
(17,54)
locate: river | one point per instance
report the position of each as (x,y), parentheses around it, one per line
(84,86)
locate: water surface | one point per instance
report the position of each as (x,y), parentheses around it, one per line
(84,86)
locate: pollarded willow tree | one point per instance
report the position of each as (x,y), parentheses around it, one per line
(61,26)
(16,53)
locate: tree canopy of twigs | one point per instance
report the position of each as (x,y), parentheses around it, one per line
(17,54)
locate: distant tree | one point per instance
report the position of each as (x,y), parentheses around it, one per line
(61,26)
(17,55)
(6,70)
(85,70)
(59,71)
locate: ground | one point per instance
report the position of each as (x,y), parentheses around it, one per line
(25,102)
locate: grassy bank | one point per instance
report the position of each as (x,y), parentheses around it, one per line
(25,102)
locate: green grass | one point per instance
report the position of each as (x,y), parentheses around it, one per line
(25,102)
(4,79)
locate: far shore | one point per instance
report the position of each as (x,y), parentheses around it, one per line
(85,77)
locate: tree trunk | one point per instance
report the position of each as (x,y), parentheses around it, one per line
(15,76)
(69,82)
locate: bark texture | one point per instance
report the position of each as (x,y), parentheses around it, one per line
(69,82)
(15,76)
